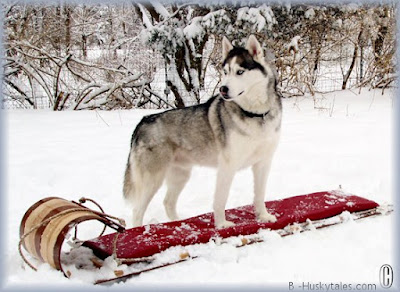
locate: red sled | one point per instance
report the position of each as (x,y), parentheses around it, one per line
(294,214)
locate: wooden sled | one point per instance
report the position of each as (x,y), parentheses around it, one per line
(140,249)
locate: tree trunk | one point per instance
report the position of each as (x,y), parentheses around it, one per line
(84,46)
(67,12)
(382,32)
(178,98)
(353,61)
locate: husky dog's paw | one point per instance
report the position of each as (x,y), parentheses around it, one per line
(173,217)
(224,224)
(266,217)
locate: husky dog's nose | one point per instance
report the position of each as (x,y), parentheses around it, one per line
(224,91)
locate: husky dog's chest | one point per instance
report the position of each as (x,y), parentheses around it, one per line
(250,142)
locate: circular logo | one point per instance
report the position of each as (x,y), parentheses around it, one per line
(386,276)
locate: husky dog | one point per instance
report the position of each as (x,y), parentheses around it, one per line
(236,129)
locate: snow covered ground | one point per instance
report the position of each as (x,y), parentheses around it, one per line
(338,139)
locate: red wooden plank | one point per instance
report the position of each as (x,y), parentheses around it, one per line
(151,239)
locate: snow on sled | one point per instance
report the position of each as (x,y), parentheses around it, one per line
(140,249)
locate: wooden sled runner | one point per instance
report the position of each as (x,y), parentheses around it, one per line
(140,249)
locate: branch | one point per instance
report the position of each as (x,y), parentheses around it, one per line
(90,99)
(19,90)
(88,64)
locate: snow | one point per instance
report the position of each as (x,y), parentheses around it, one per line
(337,139)
(294,43)
(194,29)
(146,21)
(160,9)
(310,13)
(259,17)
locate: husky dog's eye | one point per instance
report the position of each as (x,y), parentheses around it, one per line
(225,72)
(239,72)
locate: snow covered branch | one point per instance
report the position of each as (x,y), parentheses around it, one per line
(182,38)
(69,82)
(81,56)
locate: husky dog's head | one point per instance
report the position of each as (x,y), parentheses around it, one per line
(247,76)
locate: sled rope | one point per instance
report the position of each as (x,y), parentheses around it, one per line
(121,261)
(102,214)
(62,213)
(115,250)
(83,201)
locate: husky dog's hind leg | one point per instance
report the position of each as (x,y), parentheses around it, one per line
(144,175)
(176,179)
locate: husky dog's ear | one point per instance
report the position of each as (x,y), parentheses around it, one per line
(254,48)
(226,47)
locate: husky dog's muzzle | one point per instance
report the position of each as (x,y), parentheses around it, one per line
(224,91)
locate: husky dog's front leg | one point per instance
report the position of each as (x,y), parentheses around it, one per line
(260,172)
(224,180)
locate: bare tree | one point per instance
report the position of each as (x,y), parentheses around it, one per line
(92,56)
(181,33)
(57,53)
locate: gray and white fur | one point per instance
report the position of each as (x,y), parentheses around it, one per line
(236,129)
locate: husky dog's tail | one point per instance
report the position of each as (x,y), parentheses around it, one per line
(140,186)
(129,187)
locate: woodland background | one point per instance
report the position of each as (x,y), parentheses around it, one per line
(155,55)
